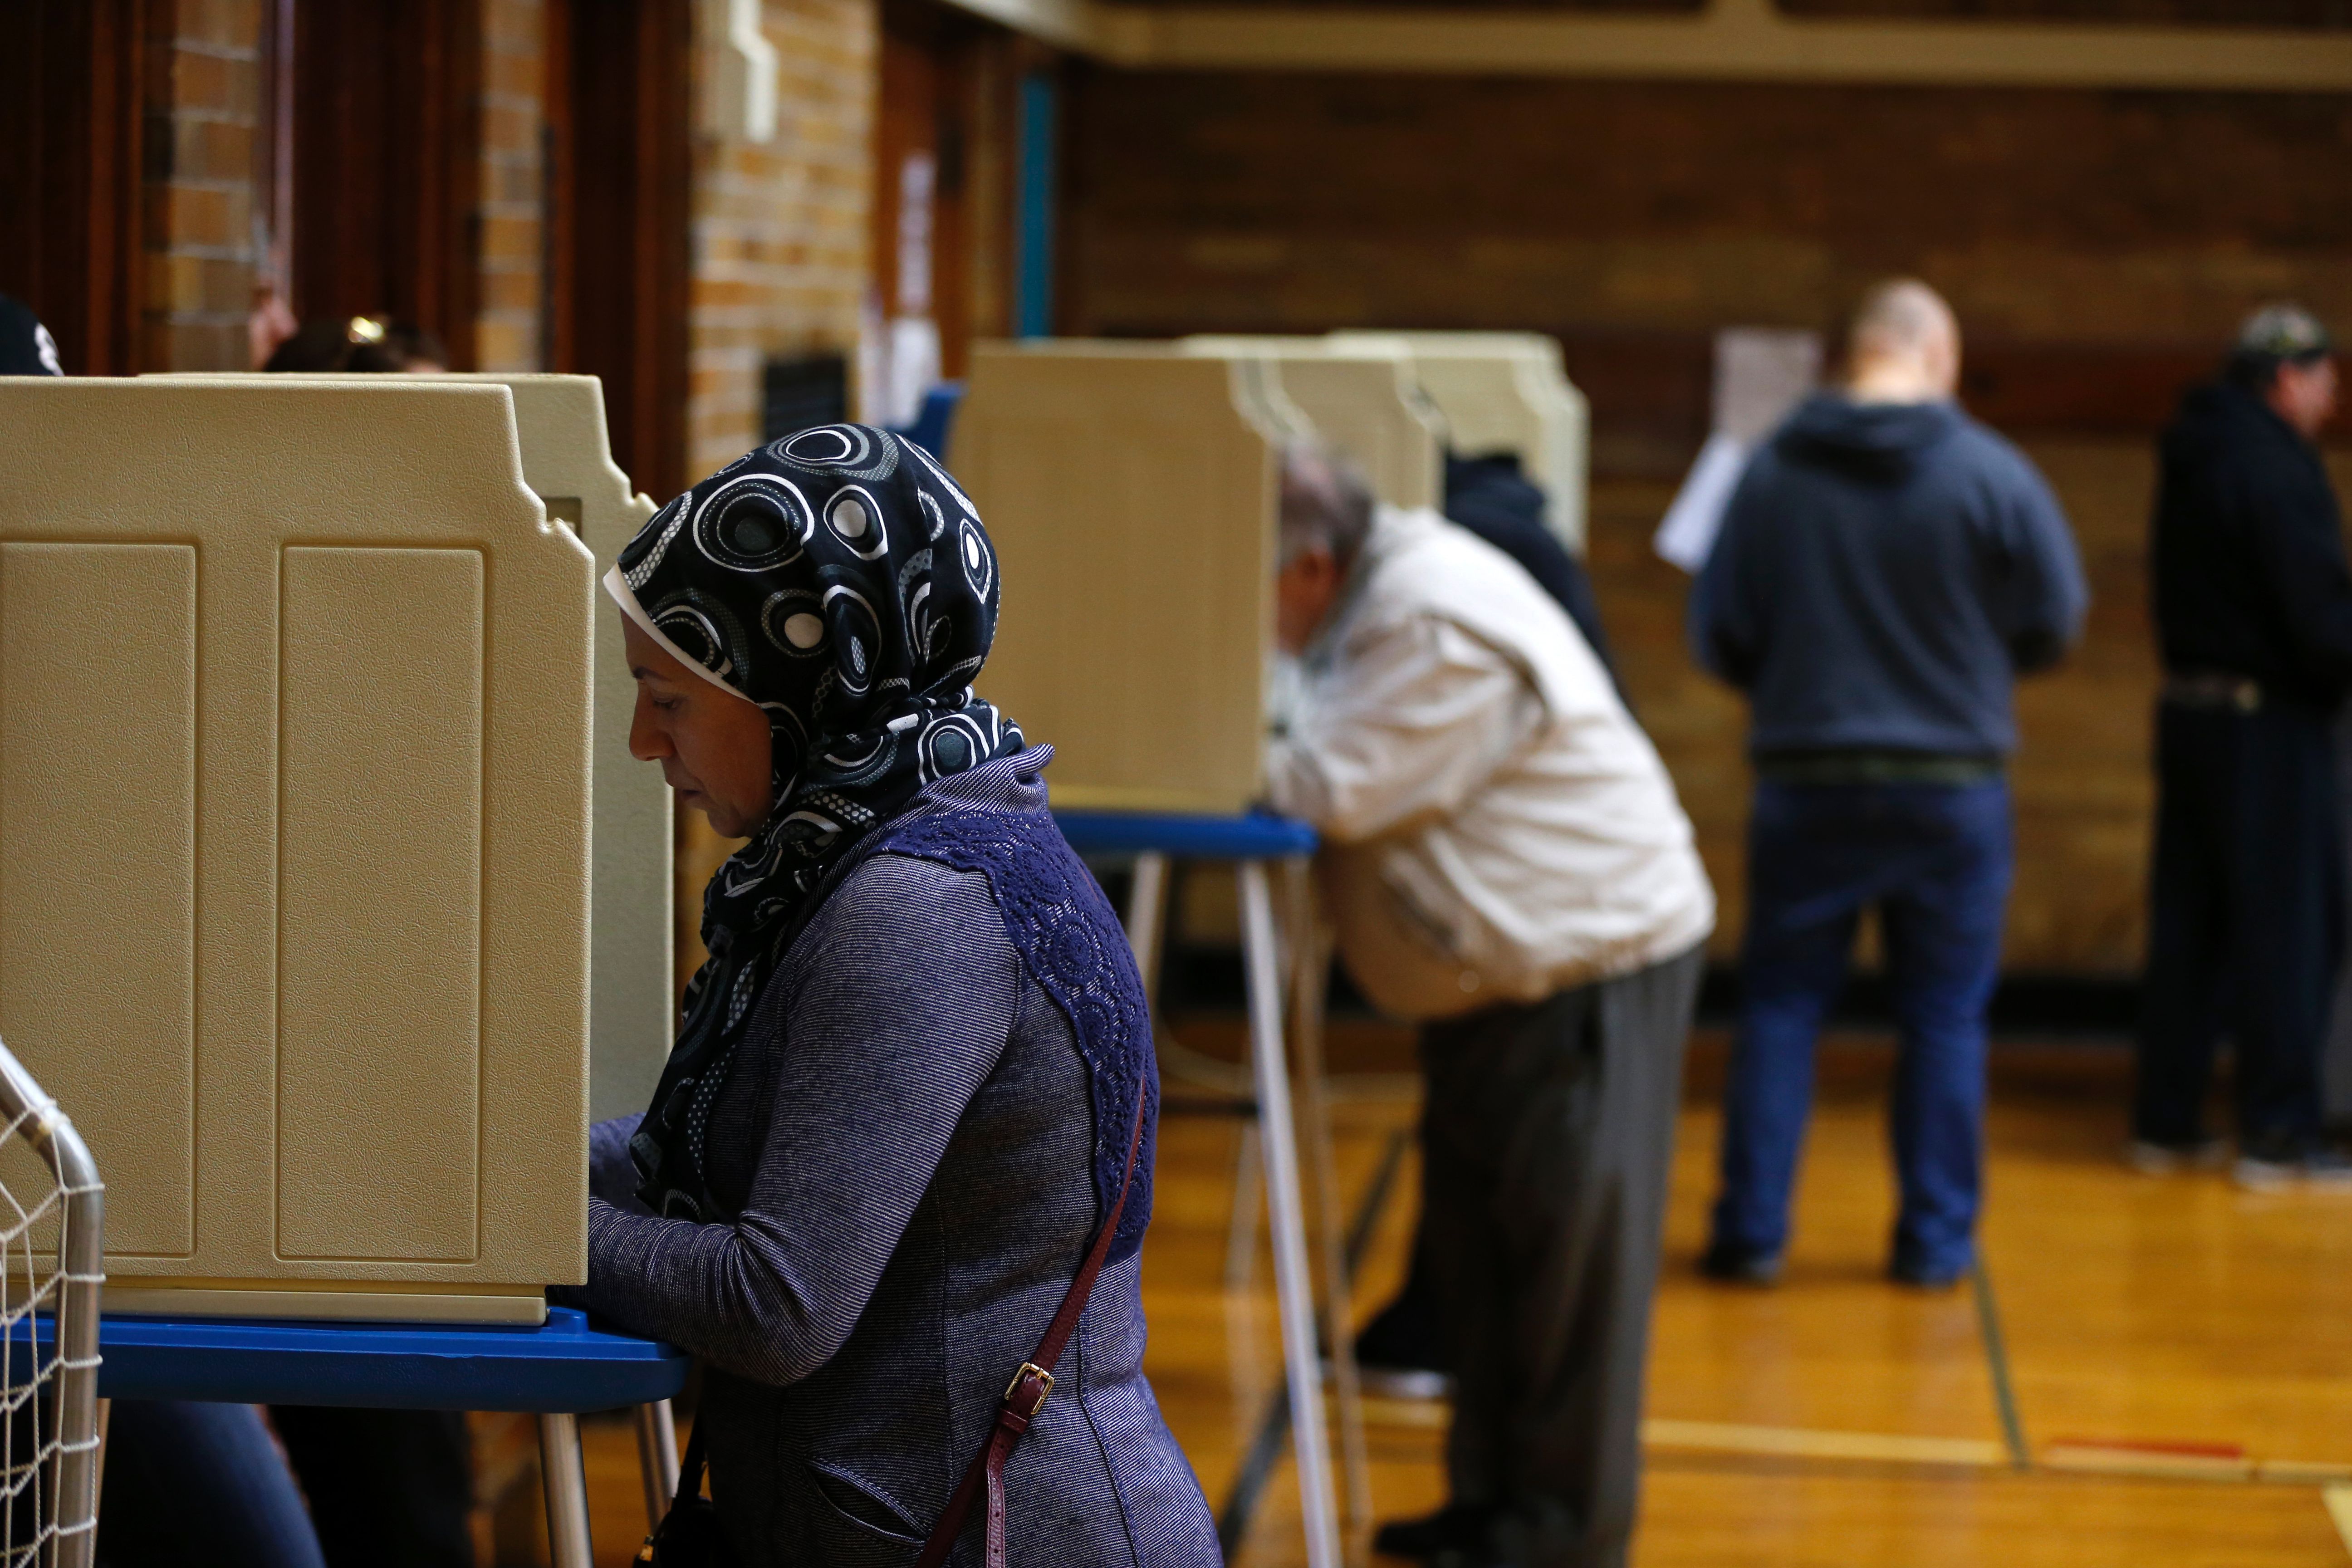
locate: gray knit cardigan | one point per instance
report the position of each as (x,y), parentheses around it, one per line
(907,1139)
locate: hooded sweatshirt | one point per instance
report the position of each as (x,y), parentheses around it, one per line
(1885,572)
(2249,572)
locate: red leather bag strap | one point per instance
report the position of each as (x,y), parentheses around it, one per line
(1026,1394)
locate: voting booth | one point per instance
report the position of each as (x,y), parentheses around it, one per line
(567,461)
(295,716)
(1364,400)
(1131,492)
(1502,392)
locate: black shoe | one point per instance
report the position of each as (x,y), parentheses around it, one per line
(1740,1266)
(1402,1336)
(1399,1356)
(1454,1533)
(2154,1157)
(2270,1163)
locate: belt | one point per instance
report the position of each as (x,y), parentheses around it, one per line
(2212,690)
(1863,766)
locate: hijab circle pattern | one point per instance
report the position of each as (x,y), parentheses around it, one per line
(839,579)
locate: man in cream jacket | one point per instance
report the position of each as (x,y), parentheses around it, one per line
(1506,863)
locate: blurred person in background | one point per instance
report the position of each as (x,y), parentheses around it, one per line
(2253,612)
(1507,864)
(1887,568)
(1400,1351)
(26,346)
(363,343)
(1491,497)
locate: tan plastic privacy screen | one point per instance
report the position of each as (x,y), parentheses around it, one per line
(1502,392)
(294,828)
(567,460)
(1131,499)
(1366,405)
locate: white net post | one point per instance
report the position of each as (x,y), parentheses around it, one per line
(52,1254)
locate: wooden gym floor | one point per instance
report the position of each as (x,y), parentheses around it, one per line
(2177,1353)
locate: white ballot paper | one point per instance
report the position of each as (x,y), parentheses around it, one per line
(1760,373)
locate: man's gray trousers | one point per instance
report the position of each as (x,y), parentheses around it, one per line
(1548,1139)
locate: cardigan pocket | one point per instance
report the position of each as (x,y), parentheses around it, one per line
(860,1525)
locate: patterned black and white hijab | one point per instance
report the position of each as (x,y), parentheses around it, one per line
(842,581)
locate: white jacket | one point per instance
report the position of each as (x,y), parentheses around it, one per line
(1497,826)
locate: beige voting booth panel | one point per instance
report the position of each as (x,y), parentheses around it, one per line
(1503,392)
(1366,405)
(567,460)
(294,839)
(1132,494)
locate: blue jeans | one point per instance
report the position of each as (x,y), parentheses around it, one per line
(199,1486)
(1935,859)
(194,1486)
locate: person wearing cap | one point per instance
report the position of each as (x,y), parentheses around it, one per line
(2253,613)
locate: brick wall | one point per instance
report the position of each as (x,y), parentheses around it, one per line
(779,269)
(203,96)
(2098,247)
(780,230)
(508,324)
(1267,201)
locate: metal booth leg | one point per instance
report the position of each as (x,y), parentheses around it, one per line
(563,1472)
(1293,1286)
(1147,907)
(658,1458)
(1310,968)
(1146,922)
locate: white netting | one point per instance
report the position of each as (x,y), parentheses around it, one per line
(42,1523)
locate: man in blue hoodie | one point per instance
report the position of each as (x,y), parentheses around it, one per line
(1886,569)
(2253,610)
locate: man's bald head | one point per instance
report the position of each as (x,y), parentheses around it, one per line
(1904,344)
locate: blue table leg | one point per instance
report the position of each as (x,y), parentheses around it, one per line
(1285,1215)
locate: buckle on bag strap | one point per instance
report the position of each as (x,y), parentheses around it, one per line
(1014,1398)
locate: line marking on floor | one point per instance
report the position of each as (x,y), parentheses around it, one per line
(2338,1500)
(2184,1462)
(2150,1460)
(1805,1443)
(2004,1392)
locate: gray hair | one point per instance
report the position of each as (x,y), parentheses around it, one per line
(1326,504)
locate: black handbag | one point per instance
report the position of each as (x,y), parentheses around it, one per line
(689,1535)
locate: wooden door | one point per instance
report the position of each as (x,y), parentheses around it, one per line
(619,103)
(69,84)
(387,127)
(946,100)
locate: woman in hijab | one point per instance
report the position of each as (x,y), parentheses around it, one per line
(909,1111)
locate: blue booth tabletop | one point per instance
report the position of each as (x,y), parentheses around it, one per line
(562,1365)
(1257,835)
